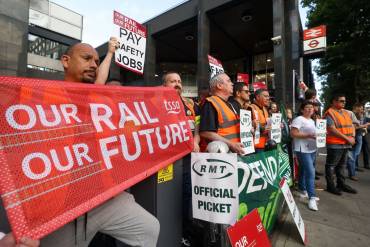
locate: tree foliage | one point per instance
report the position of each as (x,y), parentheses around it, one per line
(346,63)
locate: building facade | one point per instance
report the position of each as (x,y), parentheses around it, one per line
(33,36)
(261,38)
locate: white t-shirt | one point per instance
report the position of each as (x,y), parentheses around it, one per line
(306,126)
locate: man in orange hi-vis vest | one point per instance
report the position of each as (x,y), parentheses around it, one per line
(340,138)
(219,121)
(260,116)
(120,217)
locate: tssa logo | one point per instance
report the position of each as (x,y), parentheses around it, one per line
(172,107)
(213,168)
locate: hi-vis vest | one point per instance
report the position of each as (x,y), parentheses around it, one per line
(190,113)
(262,119)
(228,120)
(343,123)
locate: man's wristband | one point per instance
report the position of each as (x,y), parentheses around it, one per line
(2,235)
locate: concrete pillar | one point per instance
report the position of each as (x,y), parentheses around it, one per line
(203,47)
(150,59)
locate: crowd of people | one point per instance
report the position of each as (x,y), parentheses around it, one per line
(216,118)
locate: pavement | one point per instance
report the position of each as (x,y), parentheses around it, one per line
(341,220)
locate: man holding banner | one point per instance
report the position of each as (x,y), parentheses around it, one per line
(120,217)
(173,80)
(219,121)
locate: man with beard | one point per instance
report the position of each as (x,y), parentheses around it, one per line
(120,217)
(173,80)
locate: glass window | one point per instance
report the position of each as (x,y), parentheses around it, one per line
(45,47)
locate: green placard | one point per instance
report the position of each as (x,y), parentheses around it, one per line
(259,176)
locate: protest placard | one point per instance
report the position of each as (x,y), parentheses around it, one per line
(132,43)
(246,136)
(293,209)
(320,133)
(275,132)
(214,179)
(215,66)
(248,232)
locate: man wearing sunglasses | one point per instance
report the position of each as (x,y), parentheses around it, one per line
(240,98)
(340,138)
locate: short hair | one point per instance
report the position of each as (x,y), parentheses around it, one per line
(310,93)
(304,104)
(336,96)
(214,80)
(164,76)
(259,91)
(357,104)
(238,87)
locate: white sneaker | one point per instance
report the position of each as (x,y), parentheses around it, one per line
(316,198)
(312,204)
(303,194)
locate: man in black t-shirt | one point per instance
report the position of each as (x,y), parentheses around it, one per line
(221,123)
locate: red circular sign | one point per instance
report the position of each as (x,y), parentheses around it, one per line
(313,43)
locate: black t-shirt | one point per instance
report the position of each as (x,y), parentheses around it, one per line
(209,118)
(236,105)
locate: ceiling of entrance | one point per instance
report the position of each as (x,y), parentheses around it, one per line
(237,29)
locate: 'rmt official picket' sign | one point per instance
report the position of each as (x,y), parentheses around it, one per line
(132,36)
(67,147)
(214,179)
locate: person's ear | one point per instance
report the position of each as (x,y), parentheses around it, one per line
(65,61)
(219,85)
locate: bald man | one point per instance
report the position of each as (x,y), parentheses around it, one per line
(120,217)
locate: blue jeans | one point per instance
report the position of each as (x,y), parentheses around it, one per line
(306,180)
(353,154)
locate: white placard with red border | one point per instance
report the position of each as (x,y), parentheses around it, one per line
(293,209)
(132,39)
(215,66)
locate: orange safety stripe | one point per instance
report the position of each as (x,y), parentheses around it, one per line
(343,123)
(262,119)
(228,121)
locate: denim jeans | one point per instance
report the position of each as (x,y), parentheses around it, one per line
(306,180)
(353,154)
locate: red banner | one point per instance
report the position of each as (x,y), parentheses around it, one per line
(67,147)
(259,85)
(242,78)
(248,231)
